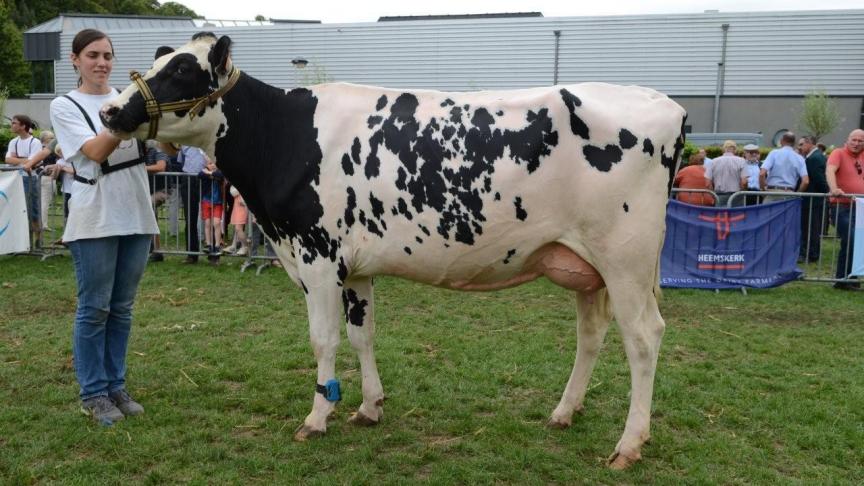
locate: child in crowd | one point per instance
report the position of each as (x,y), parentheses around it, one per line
(212,209)
(239,217)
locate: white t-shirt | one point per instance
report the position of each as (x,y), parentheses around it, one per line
(23,148)
(119,202)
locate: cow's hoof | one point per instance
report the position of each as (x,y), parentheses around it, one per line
(620,462)
(361,419)
(558,423)
(305,432)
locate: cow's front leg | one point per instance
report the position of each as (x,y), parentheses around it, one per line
(324,305)
(357,299)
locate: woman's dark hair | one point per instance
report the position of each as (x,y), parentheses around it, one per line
(85,37)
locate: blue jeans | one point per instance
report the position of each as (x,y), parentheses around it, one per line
(844,219)
(107,271)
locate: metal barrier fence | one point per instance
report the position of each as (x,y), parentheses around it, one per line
(177,200)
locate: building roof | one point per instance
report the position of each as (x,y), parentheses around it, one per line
(107,22)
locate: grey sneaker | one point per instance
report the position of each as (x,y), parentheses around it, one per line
(102,410)
(125,403)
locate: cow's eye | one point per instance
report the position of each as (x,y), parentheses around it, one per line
(180,70)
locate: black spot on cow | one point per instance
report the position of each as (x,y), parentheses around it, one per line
(342,271)
(373,163)
(355,308)
(419,240)
(626,208)
(487,184)
(303,285)
(671,162)
(362,217)
(350,206)
(221,130)
(382,102)
(402,208)
(347,166)
(372,226)
(407,250)
(355,151)
(648,147)
(448,132)
(497,196)
(373,121)
(499,113)
(466,107)
(447,102)
(602,159)
(424,229)
(377,206)
(577,125)
(626,139)
(521,214)
(510,254)
(456,115)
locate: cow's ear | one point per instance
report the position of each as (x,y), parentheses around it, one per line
(220,55)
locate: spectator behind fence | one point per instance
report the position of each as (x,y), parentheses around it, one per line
(239,218)
(706,161)
(693,177)
(156,161)
(62,170)
(108,232)
(784,169)
(727,175)
(813,208)
(194,161)
(751,156)
(845,175)
(21,148)
(212,209)
(39,162)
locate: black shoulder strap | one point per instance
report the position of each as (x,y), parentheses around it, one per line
(83,112)
(92,127)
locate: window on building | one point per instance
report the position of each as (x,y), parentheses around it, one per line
(42,80)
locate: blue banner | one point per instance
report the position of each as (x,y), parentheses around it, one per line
(722,248)
(858,244)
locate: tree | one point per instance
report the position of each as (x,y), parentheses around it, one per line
(14,71)
(819,114)
(260,18)
(174,9)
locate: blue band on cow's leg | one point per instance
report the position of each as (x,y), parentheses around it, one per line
(330,390)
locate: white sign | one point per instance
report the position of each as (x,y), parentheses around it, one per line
(14,226)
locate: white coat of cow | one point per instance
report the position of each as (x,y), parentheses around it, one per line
(471,191)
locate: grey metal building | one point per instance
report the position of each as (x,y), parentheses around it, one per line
(733,72)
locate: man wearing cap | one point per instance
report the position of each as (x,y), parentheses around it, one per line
(845,174)
(783,169)
(813,208)
(751,157)
(727,175)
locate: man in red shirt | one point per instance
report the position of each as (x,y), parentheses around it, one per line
(845,174)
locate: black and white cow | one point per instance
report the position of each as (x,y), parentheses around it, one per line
(471,191)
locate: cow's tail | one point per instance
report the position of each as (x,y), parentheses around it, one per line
(676,157)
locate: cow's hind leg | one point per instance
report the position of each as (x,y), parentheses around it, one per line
(324,305)
(357,298)
(592,321)
(635,307)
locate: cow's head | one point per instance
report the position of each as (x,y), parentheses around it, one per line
(183,86)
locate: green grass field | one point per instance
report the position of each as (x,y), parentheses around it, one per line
(757,389)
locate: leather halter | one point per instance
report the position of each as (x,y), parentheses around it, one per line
(194,106)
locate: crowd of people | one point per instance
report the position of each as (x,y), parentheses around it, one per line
(797,166)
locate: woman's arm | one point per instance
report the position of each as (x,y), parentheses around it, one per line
(100,147)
